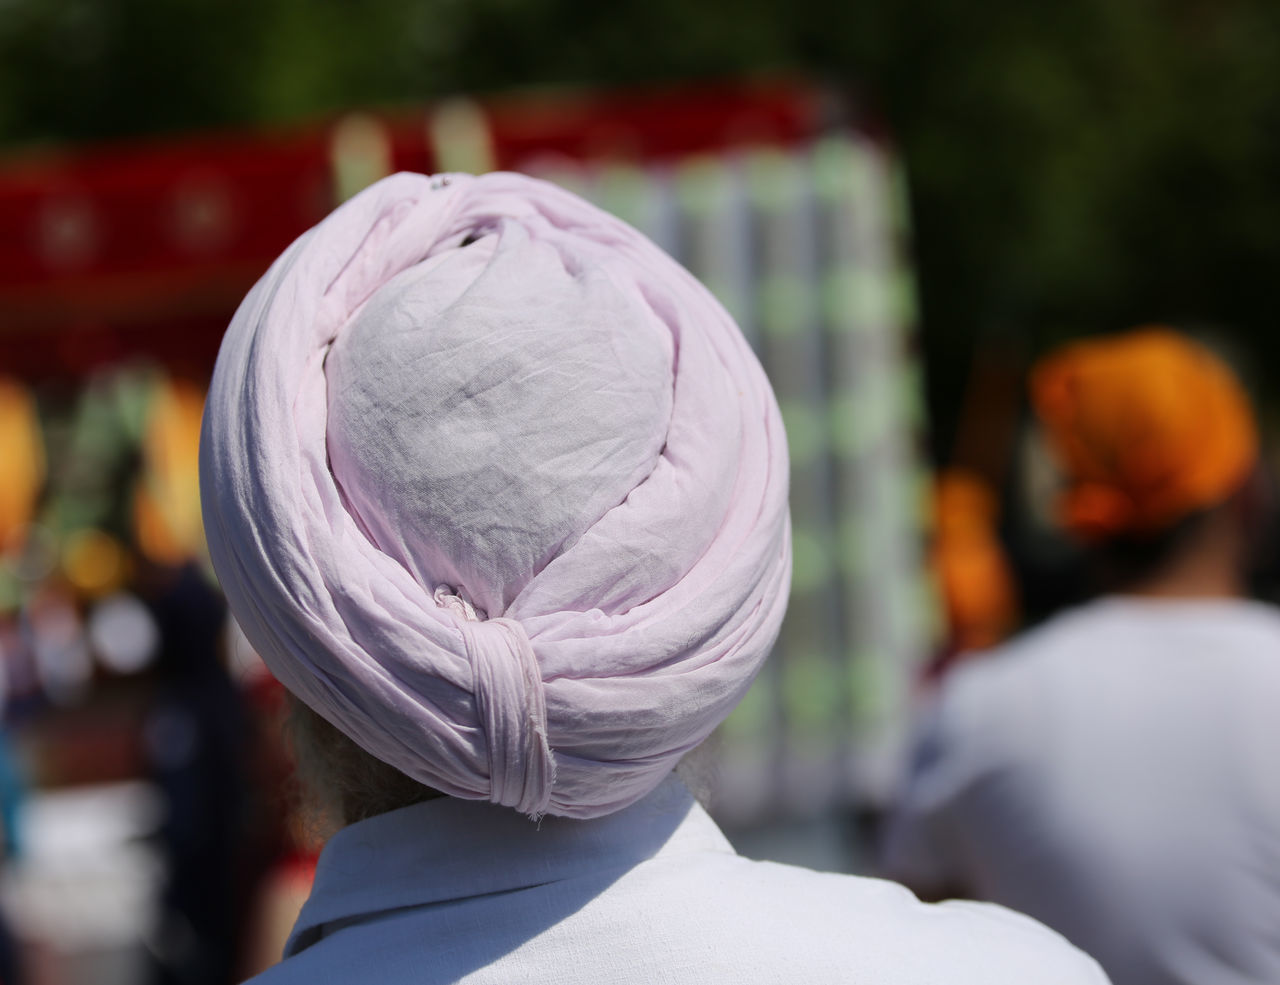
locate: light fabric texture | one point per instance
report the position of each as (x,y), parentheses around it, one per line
(498,488)
(1147,426)
(1113,774)
(448,891)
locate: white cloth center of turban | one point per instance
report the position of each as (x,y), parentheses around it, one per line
(528,437)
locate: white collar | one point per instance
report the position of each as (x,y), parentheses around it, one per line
(447,850)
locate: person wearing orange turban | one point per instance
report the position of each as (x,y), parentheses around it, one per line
(1110,772)
(1148,429)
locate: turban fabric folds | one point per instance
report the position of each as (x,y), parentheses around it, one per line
(497,488)
(1148,426)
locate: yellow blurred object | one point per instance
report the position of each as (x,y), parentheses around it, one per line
(969,563)
(22,461)
(1148,427)
(166,506)
(94,563)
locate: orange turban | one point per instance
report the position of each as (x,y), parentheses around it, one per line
(166,505)
(22,456)
(969,564)
(1148,427)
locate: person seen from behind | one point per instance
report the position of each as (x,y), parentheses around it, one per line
(1111,772)
(499,493)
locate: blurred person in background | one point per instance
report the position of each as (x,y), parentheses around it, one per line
(499,493)
(11,792)
(970,570)
(195,737)
(1112,772)
(287,841)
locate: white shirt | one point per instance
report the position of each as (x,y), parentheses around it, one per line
(459,891)
(1114,773)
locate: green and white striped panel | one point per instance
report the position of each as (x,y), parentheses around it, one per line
(804,247)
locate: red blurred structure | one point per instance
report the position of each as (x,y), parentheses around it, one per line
(146,248)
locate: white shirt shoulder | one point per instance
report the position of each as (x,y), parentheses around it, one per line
(574,904)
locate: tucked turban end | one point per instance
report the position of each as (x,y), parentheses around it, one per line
(496,487)
(1148,428)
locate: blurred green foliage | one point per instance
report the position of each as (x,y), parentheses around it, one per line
(1074,166)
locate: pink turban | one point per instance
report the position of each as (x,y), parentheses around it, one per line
(498,488)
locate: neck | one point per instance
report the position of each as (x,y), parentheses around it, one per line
(1209,565)
(1190,584)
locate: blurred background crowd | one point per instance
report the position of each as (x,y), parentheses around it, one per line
(904,203)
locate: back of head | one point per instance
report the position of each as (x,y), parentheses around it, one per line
(1148,428)
(1152,433)
(498,490)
